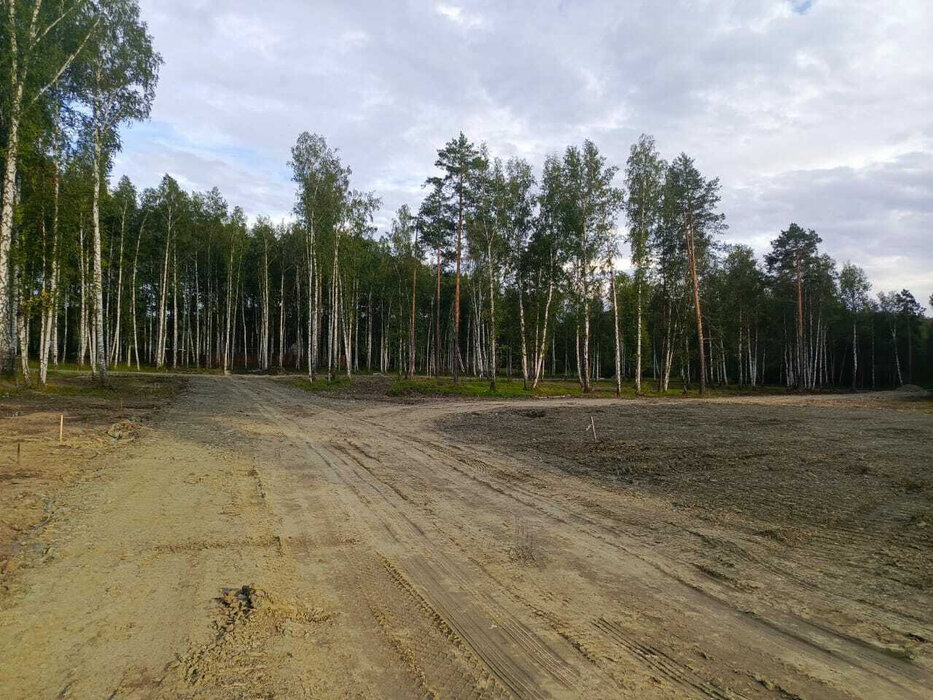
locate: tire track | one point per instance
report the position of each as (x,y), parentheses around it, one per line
(353,463)
(515,655)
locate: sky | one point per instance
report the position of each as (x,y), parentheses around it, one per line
(818,112)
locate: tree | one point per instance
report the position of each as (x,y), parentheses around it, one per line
(910,312)
(42,42)
(125,201)
(793,254)
(515,213)
(404,238)
(458,160)
(691,203)
(170,202)
(591,203)
(854,286)
(323,183)
(120,74)
(742,300)
(548,253)
(437,227)
(644,180)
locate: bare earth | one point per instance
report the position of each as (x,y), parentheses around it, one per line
(260,541)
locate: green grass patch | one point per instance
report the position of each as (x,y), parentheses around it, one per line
(75,368)
(321,384)
(479,388)
(66,384)
(505,388)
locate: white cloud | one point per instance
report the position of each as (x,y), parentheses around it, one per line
(458,16)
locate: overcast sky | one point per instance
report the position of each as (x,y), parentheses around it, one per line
(819,112)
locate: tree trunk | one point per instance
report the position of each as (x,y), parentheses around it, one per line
(638,336)
(437,319)
(174,307)
(691,255)
(50,320)
(493,350)
(615,322)
(163,296)
(800,356)
(522,331)
(135,262)
(228,345)
(854,354)
(7,346)
(541,349)
(97,279)
(457,288)
(411,330)
(282,317)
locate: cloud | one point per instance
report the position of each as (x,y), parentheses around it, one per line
(879,216)
(816,112)
(456,15)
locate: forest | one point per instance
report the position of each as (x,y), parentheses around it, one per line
(594,266)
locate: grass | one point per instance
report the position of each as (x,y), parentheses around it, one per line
(66,384)
(320,384)
(479,388)
(471,387)
(73,367)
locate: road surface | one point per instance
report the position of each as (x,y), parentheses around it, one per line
(261,541)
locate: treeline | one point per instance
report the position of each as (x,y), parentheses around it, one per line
(584,269)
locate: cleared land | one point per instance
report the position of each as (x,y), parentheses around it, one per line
(258,540)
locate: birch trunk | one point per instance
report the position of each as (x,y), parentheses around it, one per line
(163,295)
(493,350)
(541,349)
(615,322)
(638,336)
(228,346)
(7,349)
(97,278)
(521,327)
(174,307)
(115,342)
(854,354)
(133,301)
(691,254)
(282,318)
(437,319)
(50,319)
(20,59)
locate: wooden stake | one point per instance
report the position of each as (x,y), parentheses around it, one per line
(61,428)
(592,427)
(19,451)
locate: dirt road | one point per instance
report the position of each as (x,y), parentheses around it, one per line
(261,541)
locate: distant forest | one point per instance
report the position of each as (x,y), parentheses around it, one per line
(499,269)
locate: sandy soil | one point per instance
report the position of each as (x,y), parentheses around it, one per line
(261,541)
(38,462)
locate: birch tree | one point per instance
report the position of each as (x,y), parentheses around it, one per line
(323,183)
(590,207)
(854,287)
(43,40)
(120,72)
(644,182)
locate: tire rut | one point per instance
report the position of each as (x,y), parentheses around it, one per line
(515,655)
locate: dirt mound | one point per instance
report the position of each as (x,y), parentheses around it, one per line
(911,389)
(123,430)
(241,660)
